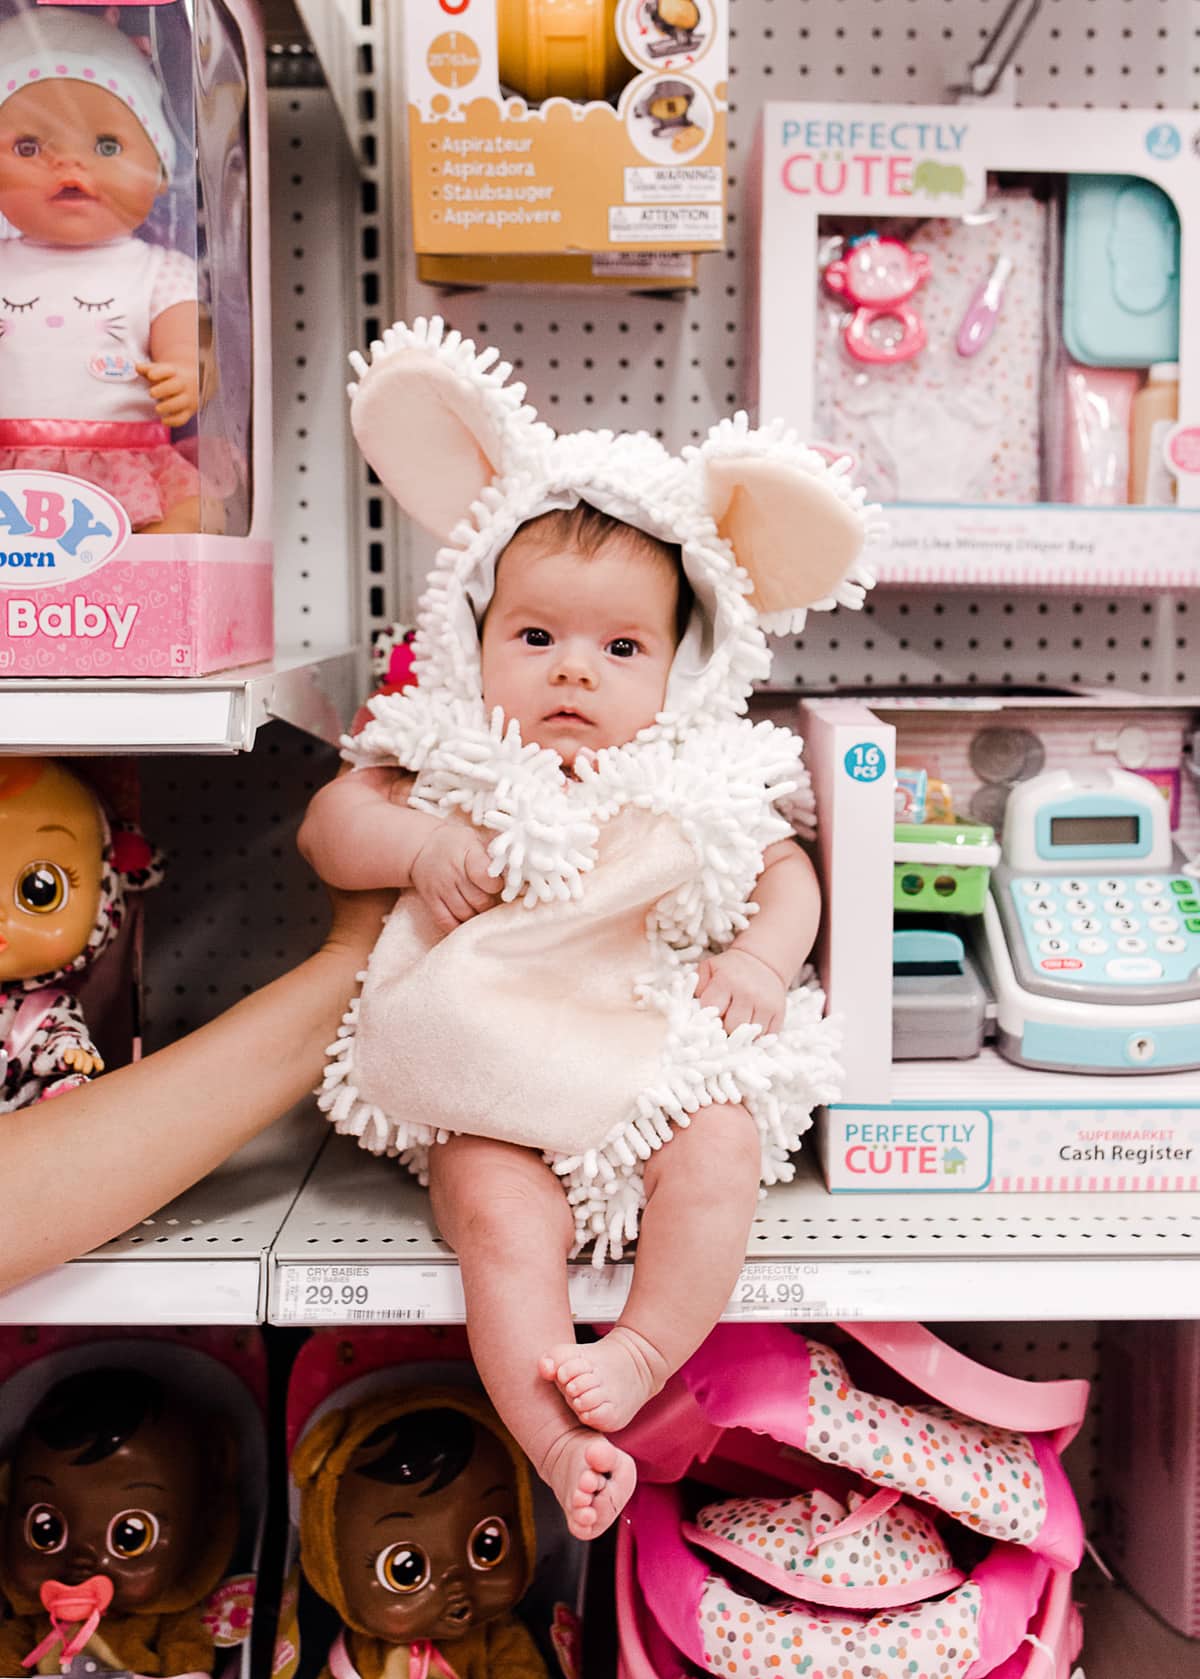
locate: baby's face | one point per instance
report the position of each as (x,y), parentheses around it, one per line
(76,166)
(578,649)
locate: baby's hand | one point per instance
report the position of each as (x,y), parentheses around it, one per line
(175,387)
(743,989)
(450,872)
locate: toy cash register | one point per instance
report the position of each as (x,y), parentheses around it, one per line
(1091,934)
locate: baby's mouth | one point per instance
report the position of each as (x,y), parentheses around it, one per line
(568,714)
(72,193)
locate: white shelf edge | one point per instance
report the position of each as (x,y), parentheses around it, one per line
(317,691)
(156,1291)
(358,1246)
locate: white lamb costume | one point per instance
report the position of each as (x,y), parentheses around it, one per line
(565,1018)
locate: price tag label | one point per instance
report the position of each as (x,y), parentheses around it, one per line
(346,1294)
(780,1292)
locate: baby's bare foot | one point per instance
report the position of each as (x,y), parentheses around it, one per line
(606,1382)
(592,1479)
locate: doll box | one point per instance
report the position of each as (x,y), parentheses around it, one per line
(536,126)
(135,419)
(982,1124)
(970,451)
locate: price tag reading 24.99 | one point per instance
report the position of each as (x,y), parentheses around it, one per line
(779,1292)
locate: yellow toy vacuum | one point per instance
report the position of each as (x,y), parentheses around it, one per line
(564,48)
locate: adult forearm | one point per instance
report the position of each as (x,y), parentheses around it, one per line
(81,1167)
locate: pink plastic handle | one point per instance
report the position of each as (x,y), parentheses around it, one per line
(1056,1408)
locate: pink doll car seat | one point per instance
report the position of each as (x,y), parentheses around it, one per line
(792,1520)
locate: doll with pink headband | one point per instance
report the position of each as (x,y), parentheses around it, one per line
(98,328)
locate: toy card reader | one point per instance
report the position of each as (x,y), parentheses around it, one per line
(1091,934)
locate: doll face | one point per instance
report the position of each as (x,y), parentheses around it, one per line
(132,1516)
(578,648)
(76,166)
(418,1563)
(51,845)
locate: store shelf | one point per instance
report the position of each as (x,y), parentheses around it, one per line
(202,1259)
(358,1246)
(316,691)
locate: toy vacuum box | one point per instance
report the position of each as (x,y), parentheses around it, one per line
(1088,1080)
(566,126)
(135,419)
(989,312)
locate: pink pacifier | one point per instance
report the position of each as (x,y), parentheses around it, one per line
(878,277)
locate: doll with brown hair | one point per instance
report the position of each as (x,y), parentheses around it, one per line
(121,1518)
(64,874)
(99,329)
(416,1525)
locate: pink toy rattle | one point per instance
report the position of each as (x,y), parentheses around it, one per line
(878,277)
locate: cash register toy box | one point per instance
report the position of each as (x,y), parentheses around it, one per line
(990,311)
(568,126)
(135,426)
(1089,945)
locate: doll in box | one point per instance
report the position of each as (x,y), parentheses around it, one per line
(99,337)
(64,873)
(121,1518)
(416,1525)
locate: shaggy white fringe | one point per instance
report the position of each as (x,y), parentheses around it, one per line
(732,787)
(720,785)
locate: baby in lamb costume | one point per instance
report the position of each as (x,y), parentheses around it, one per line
(588,983)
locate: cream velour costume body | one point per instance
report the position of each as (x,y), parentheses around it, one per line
(565,1017)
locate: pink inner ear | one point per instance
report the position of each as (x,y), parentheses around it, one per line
(428,436)
(794,536)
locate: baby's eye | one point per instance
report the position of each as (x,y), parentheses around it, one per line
(623,647)
(402,1569)
(107,145)
(26,146)
(536,638)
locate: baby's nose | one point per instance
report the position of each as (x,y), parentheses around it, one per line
(574,665)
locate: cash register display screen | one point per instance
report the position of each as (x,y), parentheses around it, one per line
(1094,830)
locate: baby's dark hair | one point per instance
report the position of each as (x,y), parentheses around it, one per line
(95,1412)
(434,1445)
(588,530)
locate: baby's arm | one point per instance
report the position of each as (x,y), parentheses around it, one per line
(360,832)
(173,371)
(748,982)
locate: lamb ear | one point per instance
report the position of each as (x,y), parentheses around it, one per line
(795,524)
(437,421)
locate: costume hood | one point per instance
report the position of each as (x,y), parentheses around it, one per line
(768,529)
(322,1455)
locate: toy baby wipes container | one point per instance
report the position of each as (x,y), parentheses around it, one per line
(134,384)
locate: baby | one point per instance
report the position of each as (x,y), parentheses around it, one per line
(580,1016)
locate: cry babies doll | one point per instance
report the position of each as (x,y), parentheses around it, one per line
(64,873)
(416,1524)
(588,982)
(98,328)
(118,1520)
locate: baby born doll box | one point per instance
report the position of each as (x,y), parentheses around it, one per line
(134,376)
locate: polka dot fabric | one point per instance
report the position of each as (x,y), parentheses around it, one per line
(899,1556)
(987,1478)
(781,1640)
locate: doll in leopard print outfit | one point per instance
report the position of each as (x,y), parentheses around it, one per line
(64,873)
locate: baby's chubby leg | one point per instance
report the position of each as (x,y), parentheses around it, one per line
(702,1189)
(505,1215)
